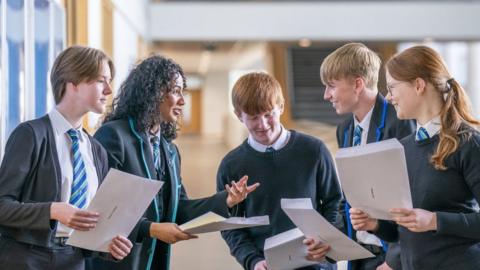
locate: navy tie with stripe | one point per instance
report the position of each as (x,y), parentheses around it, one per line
(357,135)
(269,149)
(422,134)
(78,195)
(155,140)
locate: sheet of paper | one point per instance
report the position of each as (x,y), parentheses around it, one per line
(121,200)
(211,222)
(314,225)
(286,251)
(374,177)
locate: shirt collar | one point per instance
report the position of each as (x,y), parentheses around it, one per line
(366,120)
(278,144)
(61,125)
(156,134)
(433,126)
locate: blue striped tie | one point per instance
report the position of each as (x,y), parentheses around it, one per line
(78,196)
(155,140)
(357,135)
(422,134)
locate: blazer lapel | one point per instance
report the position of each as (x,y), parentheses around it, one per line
(56,162)
(169,165)
(376,120)
(347,141)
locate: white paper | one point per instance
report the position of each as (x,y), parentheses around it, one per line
(313,225)
(374,177)
(211,222)
(286,251)
(121,200)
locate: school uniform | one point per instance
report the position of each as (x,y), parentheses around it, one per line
(379,124)
(295,166)
(453,194)
(130,150)
(37,170)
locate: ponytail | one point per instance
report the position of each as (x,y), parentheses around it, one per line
(455,112)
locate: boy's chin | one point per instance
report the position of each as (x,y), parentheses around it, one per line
(98,110)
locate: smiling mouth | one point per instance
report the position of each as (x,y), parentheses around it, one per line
(177,112)
(262,131)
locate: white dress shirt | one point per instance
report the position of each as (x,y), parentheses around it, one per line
(362,236)
(365,124)
(64,150)
(277,145)
(433,126)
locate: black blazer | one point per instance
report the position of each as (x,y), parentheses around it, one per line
(384,125)
(129,150)
(392,126)
(30,180)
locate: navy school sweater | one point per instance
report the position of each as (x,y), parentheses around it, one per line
(454,195)
(303,168)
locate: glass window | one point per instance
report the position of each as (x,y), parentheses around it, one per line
(58,38)
(15,73)
(2,82)
(42,48)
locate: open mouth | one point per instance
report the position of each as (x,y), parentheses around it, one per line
(177,112)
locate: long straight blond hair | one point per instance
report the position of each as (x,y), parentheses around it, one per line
(425,63)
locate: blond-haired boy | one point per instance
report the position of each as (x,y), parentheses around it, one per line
(350,75)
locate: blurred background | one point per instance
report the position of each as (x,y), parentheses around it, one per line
(216,42)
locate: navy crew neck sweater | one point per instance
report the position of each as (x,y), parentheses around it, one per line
(454,195)
(303,168)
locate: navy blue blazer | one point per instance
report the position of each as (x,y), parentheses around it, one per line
(384,125)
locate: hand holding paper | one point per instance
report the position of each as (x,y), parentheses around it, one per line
(416,220)
(261,265)
(361,221)
(120,247)
(371,189)
(73,217)
(316,249)
(286,251)
(169,232)
(120,201)
(315,226)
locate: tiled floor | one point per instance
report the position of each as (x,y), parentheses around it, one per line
(200,159)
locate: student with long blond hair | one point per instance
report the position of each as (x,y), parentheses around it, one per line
(442,231)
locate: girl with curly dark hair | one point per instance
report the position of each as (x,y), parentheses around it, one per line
(137,135)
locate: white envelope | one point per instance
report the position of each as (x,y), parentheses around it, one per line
(121,200)
(314,225)
(374,177)
(211,222)
(286,251)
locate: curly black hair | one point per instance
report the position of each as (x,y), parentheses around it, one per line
(142,92)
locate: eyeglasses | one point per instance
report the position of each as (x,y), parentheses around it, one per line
(392,86)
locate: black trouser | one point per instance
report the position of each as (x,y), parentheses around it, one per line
(370,263)
(21,256)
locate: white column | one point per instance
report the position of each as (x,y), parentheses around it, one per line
(214,103)
(473,79)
